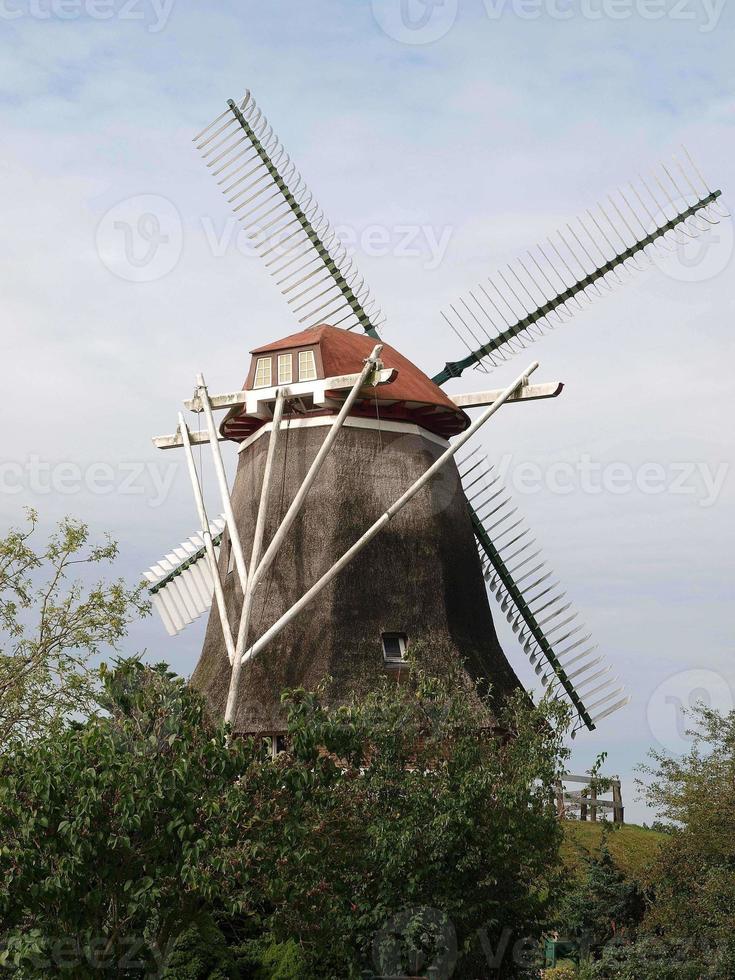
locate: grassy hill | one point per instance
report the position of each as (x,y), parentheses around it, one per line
(632,848)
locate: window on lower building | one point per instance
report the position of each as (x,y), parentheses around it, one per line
(263,373)
(285,369)
(307,365)
(394,648)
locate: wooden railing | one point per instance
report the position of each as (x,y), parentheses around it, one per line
(588,800)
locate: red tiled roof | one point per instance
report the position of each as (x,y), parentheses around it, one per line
(344,351)
(411,397)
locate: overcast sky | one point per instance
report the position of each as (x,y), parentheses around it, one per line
(442,139)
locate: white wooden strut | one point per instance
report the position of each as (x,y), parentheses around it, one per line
(247,601)
(372,365)
(347,557)
(209,546)
(224,490)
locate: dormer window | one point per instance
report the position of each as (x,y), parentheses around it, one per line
(263,373)
(307,365)
(285,369)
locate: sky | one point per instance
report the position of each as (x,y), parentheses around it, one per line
(442,138)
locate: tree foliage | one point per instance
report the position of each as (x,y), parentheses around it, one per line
(104,825)
(51,625)
(694,877)
(605,904)
(394,833)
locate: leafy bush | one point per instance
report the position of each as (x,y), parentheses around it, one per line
(201,952)
(400,831)
(604,904)
(103,827)
(692,882)
(265,959)
(564,970)
(651,959)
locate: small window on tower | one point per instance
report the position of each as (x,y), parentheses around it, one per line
(285,369)
(394,648)
(307,365)
(263,373)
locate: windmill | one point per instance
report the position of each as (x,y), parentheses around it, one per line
(337,433)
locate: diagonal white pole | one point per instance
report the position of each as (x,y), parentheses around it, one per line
(208,543)
(247,601)
(257,570)
(381,522)
(224,489)
(316,465)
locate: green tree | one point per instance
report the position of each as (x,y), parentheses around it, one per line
(51,626)
(408,829)
(694,876)
(604,905)
(104,826)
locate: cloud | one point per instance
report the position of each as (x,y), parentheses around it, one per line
(498,132)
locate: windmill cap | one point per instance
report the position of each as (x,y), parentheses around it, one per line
(411,397)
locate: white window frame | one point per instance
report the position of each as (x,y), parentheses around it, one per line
(391,660)
(258,363)
(307,357)
(285,361)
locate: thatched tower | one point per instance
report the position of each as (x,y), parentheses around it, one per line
(418,583)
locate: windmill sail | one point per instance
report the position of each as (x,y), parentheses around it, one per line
(181,582)
(549,630)
(501,316)
(287,227)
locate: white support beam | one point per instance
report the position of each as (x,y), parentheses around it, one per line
(371,364)
(176,442)
(247,602)
(208,544)
(381,522)
(219,468)
(526,393)
(257,401)
(258,565)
